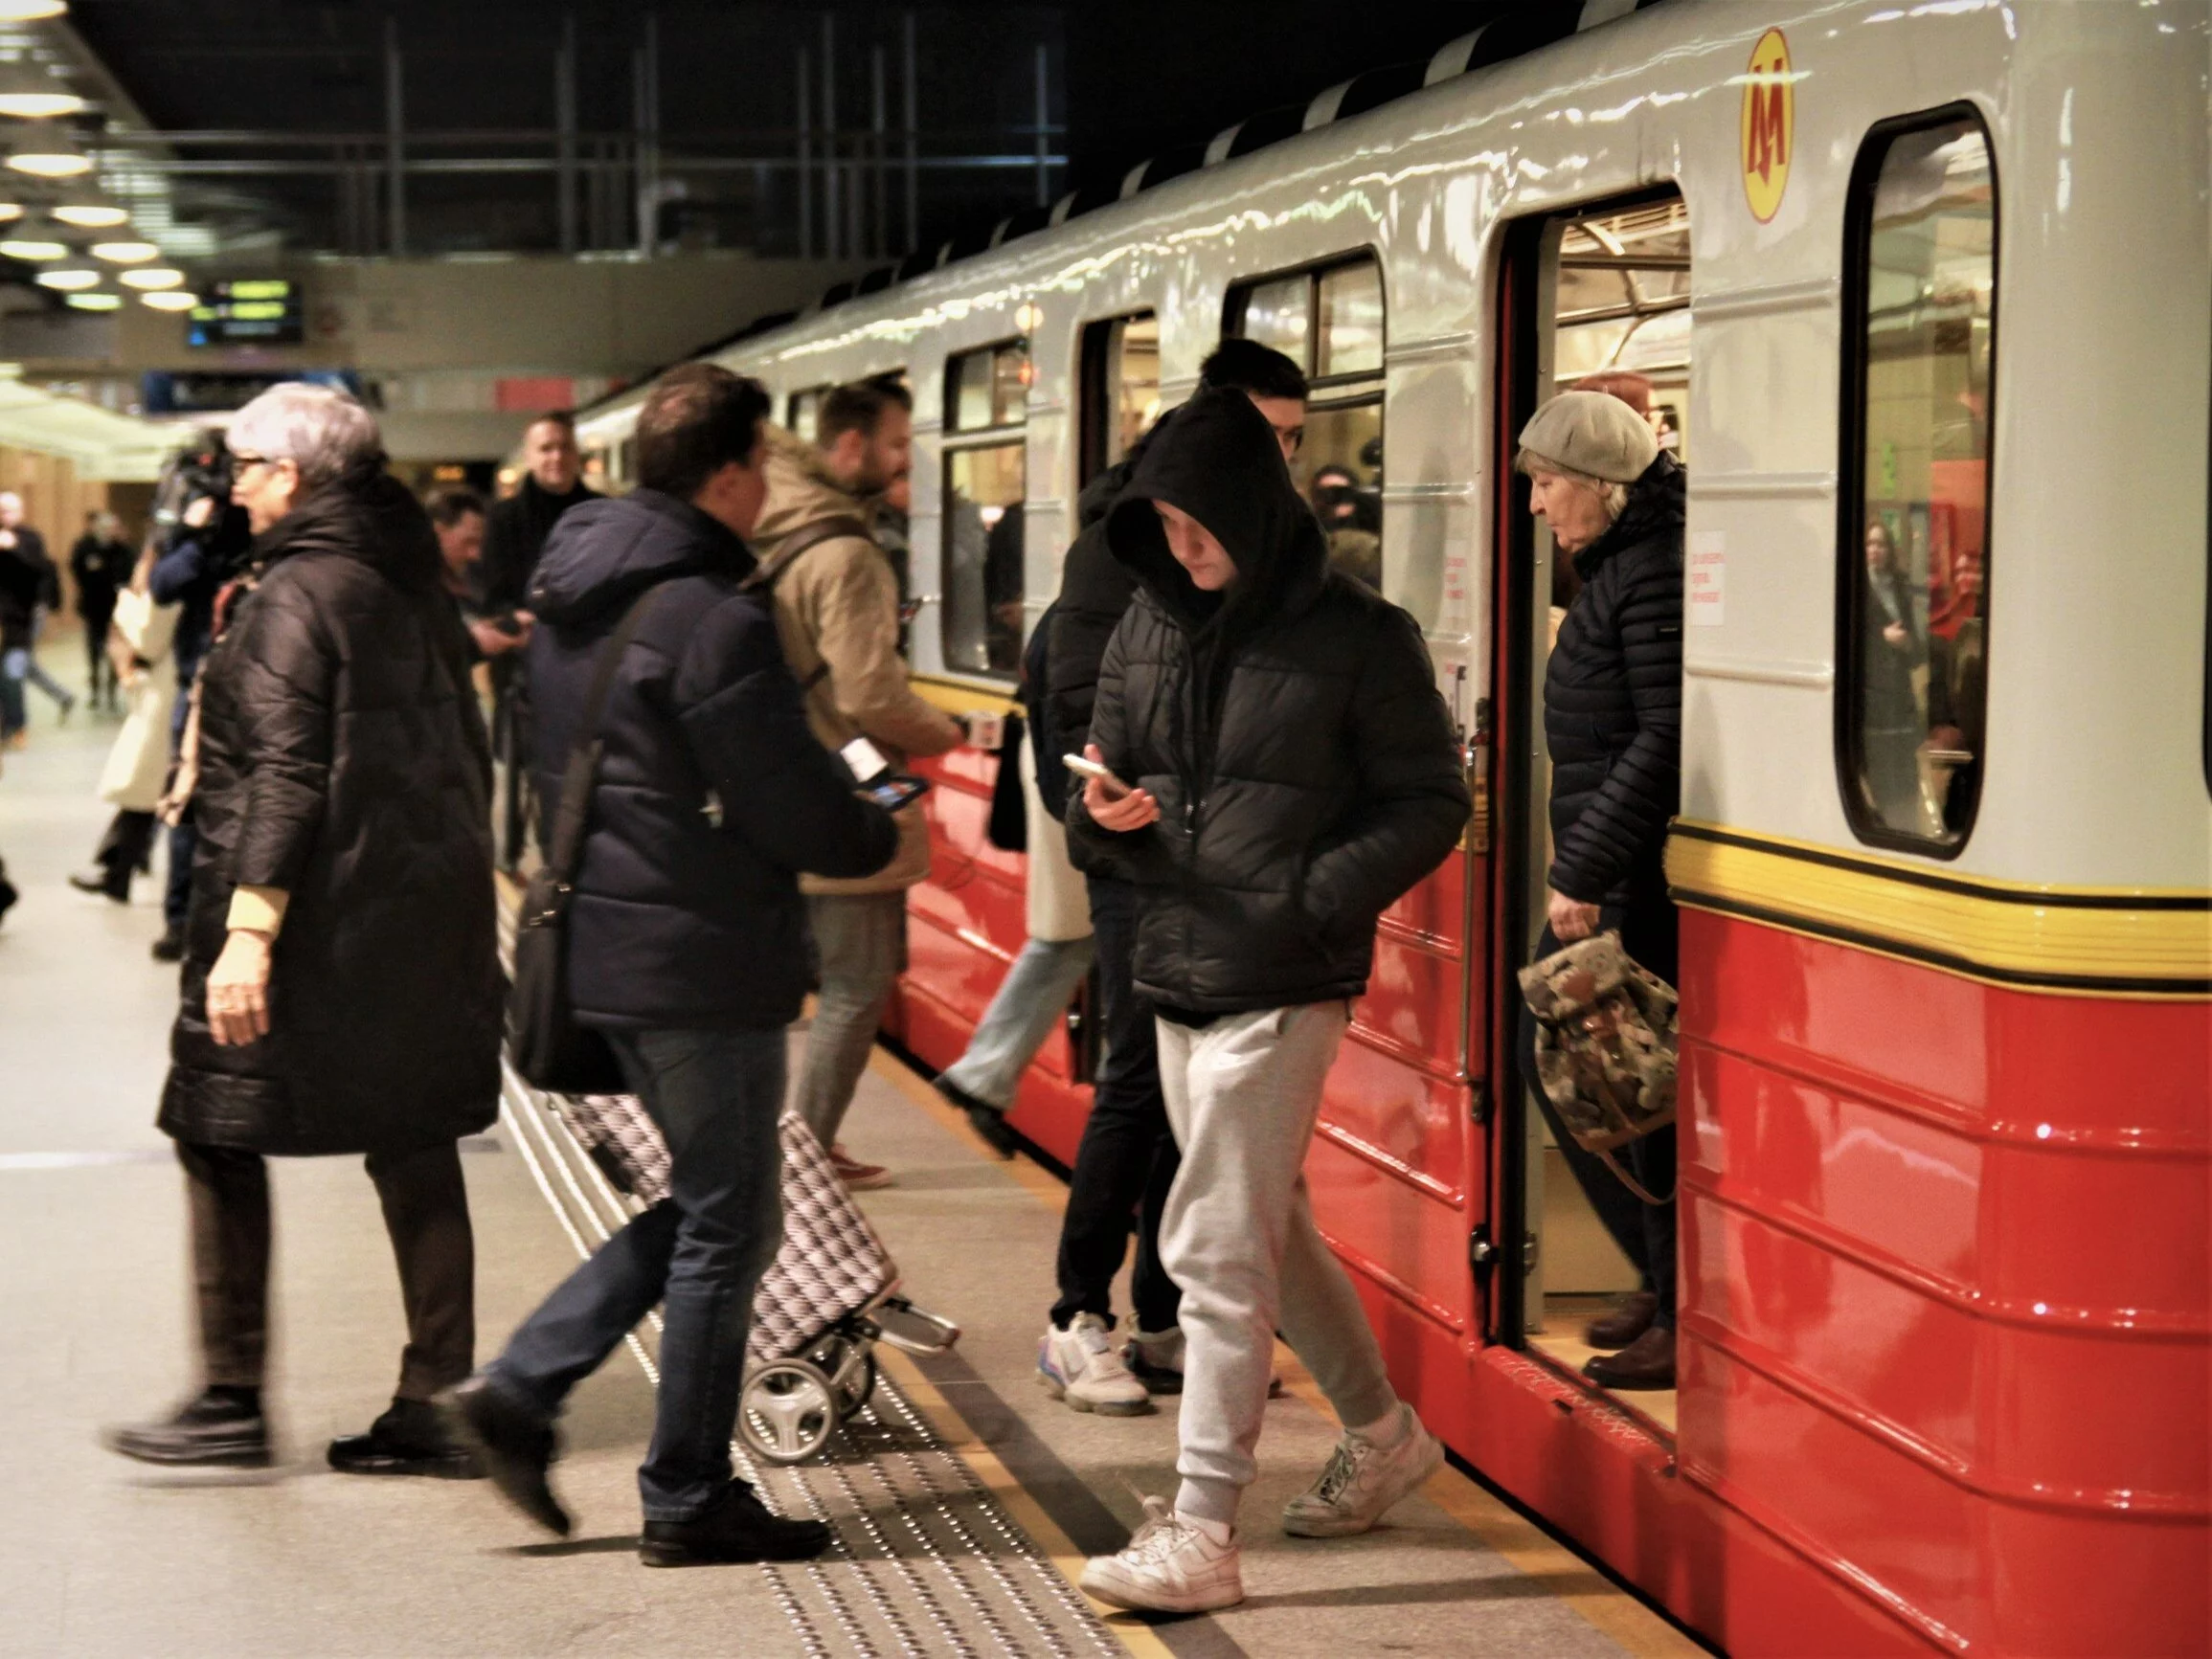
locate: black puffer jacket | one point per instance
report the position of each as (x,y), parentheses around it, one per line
(1289,727)
(1612,702)
(712,794)
(1096,589)
(342,759)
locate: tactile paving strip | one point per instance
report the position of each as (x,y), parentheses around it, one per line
(927,1560)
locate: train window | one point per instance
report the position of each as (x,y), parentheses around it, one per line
(1913,548)
(802,409)
(1329,322)
(986,407)
(1120,386)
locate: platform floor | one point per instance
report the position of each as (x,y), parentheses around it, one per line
(962,1507)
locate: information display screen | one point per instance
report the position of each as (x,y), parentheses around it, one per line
(256,311)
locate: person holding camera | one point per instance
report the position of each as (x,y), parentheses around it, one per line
(341,989)
(686,947)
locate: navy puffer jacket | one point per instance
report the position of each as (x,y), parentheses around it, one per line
(712,794)
(1612,702)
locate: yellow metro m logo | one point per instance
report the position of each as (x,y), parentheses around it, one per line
(1767,128)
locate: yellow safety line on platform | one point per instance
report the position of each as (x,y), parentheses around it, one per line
(1524,1546)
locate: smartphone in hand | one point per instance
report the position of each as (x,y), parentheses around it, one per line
(1084,766)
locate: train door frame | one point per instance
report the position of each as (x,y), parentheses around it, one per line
(1526,322)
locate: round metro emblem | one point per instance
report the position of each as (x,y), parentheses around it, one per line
(1767,129)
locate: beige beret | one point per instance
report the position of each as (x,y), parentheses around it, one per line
(1592,432)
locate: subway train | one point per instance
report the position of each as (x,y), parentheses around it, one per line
(1922,295)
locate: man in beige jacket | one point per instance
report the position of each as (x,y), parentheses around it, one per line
(837,607)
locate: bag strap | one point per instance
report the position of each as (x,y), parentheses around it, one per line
(565,846)
(1634,1185)
(801,541)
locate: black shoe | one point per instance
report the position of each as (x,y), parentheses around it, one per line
(170,947)
(8,895)
(1647,1362)
(113,881)
(984,1118)
(408,1439)
(515,1445)
(1625,1323)
(739,1528)
(222,1428)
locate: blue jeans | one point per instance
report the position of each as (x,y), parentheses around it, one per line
(1032,998)
(715,1096)
(14,665)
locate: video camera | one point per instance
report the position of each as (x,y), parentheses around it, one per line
(202,472)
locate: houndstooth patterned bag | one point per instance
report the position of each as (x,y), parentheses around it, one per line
(831,1263)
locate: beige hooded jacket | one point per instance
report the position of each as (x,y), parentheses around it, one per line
(837,608)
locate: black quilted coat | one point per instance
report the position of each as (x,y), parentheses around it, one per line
(1096,589)
(343,760)
(1305,767)
(1612,703)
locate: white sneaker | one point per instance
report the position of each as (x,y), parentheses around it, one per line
(1170,1566)
(1363,1481)
(1079,1365)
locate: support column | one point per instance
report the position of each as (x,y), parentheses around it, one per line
(912,142)
(805,157)
(395,140)
(1043,136)
(832,207)
(565,123)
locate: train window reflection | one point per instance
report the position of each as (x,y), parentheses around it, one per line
(986,405)
(801,410)
(1913,549)
(1329,322)
(1349,340)
(1120,386)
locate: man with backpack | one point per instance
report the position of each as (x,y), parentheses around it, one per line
(837,609)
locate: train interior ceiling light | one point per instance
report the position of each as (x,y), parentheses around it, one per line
(31,92)
(49,153)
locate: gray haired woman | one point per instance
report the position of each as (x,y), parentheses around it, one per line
(341,990)
(1613,696)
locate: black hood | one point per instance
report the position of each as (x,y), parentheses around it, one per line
(1101,493)
(1219,462)
(364,514)
(1657,503)
(602,552)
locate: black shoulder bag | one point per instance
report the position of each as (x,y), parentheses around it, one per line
(549,1048)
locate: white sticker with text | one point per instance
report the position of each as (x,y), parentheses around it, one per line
(1705,597)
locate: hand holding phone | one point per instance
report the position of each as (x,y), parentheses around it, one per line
(1113,805)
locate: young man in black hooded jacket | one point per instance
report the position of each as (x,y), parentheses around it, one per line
(1290,771)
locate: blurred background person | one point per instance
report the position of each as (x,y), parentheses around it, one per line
(138,764)
(514,537)
(342,991)
(1892,650)
(458,515)
(19,664)
(100,562)
(1354,531)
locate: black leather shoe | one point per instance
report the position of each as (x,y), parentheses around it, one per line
(1625,1323)
(170,947)
(1647,1362)
(984,1118)
(515,1445)
(113,882)
(739,1528)
(408,1439)
(220,1429)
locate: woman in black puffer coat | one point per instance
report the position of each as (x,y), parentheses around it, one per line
(341,987)
(1612,694)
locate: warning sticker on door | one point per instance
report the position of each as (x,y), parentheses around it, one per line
(1705,594)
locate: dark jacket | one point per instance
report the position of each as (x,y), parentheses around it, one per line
(515,532)
(190,573)
(712,792)
(342,759)
(101,567)
(24,571)
(1612,702)
(1289,727)
(1096,589)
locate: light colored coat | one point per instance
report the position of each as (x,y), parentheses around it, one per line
(837,609)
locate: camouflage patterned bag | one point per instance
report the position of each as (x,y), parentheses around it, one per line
(1605,1047)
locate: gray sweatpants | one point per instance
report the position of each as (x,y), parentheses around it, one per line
(1238,1236)
(860,949)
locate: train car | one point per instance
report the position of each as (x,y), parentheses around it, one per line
(1921,294)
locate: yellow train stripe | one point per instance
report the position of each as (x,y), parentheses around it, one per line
(2125,941)
(962,696)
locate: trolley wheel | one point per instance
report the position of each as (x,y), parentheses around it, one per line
(788,1411)
(855,1383)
